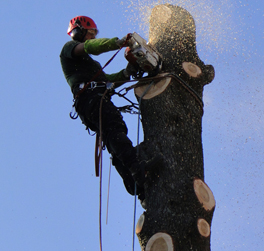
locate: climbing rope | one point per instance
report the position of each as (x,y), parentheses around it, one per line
(129,109)
(108,191)
(135,193)
(100,155)
(100,167)
(145,81)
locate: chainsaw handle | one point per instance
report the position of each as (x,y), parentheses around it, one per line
(128,37)
(123,42)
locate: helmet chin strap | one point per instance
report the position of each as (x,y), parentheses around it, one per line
(84,35)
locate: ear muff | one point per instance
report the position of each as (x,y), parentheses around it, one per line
(78,34)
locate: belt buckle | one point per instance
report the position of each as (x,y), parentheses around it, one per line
(93,84)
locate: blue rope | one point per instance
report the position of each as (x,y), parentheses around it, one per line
(135,194)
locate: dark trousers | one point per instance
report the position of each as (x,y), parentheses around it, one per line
(114,130)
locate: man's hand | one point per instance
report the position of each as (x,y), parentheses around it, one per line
(130,71)
(123,42)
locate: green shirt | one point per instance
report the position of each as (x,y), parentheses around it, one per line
(82,69)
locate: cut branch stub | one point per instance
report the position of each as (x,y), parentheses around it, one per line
(140,223)
(155,89)
(203,227)
(192,69)
(204,194)
(160,242)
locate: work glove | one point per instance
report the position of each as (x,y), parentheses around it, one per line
(123,42)
(130,71)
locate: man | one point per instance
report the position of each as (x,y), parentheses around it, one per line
(79,69)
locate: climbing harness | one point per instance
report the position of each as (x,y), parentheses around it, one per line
(141,82)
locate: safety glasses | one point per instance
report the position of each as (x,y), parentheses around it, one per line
(93,31)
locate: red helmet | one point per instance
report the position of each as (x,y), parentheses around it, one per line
(81,22)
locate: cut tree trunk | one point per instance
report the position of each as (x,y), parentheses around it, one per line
(179,205)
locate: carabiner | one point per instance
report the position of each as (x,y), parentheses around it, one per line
(93,84)
(73,114)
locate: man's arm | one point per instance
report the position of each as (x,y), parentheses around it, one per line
(119,77)
(123,75)
(96,46)
(78,50)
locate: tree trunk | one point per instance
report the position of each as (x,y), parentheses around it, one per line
(179,205)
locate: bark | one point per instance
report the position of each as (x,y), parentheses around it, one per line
(179,204)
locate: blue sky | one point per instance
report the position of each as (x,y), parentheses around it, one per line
(48,190)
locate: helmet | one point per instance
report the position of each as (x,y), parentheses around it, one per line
(78,24)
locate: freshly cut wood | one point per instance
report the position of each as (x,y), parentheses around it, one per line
(140,223)
(155,89)
(160,242)
(204,194)
(192,69)
(203,228)
(163,13)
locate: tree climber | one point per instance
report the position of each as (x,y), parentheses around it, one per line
(80,68)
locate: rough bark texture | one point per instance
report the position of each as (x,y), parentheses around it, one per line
(175,218)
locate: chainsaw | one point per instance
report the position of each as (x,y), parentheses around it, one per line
(144,57)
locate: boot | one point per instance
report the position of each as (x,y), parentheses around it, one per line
(125,174)
(119,145)
(139,170)
(128,180)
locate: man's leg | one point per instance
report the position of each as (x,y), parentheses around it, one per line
(128,181)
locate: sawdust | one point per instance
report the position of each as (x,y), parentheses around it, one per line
(215,28)
(229,35)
